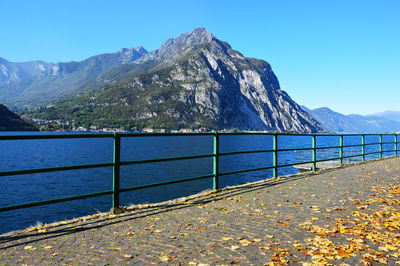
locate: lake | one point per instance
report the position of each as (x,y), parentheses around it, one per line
(28,154)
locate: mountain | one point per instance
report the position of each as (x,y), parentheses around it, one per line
(12,122)
(194,80)
(391,115)
(33,83)
(337,122)
(13,72)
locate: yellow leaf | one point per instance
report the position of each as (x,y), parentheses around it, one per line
(164,258)
(245,242)
(384,249)
(390,247)
(383,260)
(343,254)
(235,247)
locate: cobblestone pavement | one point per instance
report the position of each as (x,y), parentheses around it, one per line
(346,215)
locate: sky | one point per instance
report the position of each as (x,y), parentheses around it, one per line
(340,54)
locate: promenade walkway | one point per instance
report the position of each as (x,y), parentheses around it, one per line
(348,215)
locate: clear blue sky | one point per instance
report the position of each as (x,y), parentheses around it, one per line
(336,53)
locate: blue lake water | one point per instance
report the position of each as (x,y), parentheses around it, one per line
(28,154)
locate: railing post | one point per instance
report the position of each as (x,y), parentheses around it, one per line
(380,146)
(275,155)
(363,147)
(116,171)
(216,161)
(395,145)
(341,150)
(314,153)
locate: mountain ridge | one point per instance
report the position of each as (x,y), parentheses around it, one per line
(353,123)
(56,80)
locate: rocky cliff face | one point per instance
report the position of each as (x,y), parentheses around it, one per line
(223,85)
(197,80)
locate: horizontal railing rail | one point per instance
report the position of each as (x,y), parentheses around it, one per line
(338,153)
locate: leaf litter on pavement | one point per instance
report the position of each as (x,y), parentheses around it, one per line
(371,233)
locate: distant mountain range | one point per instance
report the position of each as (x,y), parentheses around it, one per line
(386,122)
(12,122)
(33,83)
(391,115)
(192,81)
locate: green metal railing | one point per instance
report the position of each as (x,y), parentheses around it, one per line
(216,155)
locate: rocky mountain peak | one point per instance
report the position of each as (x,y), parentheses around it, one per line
(199,35)
(175,47)
(140,49)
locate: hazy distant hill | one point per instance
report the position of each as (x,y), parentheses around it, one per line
(337,122)
(12,122)
(194,80)
(391,115)
(32,83)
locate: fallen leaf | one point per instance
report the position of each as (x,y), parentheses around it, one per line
(245,242)
(235,261)
(166,258)
(235,247)
(282,223)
